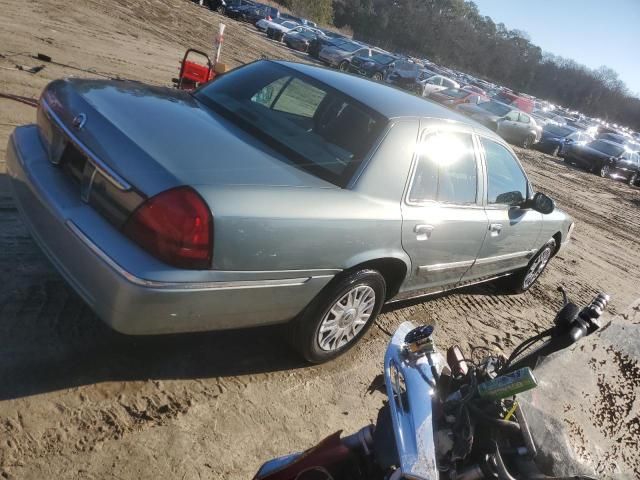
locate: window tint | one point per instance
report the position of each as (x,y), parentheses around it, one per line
(446,170)
(507,183)
(299,98)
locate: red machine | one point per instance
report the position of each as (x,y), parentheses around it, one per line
(192,73)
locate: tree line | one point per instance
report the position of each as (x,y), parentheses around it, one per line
(454,33)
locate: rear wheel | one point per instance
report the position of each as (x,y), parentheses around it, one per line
(344,66)
(604,170)
(524,279)
(377,77)
(339,316)
(633,179)
(556,151)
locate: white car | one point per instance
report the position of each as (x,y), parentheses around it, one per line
(276,23)
(436,83)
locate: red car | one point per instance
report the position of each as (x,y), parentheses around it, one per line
(455,96)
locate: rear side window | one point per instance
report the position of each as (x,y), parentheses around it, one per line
(446,170)
(506,182)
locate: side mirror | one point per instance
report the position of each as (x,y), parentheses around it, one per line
(540,203)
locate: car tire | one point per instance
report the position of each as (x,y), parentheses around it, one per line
(556,151)
(633,179)
(343,66)
(328,326)
(377,77)
(524,279)
(604,170)
(528,141)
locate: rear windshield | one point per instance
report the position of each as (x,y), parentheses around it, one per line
(496,108)
(319,129)
(558,131)
(607,148)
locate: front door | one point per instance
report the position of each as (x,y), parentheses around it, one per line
(508,127)
(513,231)
(443,224)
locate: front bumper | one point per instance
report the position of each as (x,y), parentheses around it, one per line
(129,290)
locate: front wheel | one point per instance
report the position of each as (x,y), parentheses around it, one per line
(524,279)
(528,141)
(556,151)
(377,77)
(344,66)
(633,179)
(604,170)
(339,316)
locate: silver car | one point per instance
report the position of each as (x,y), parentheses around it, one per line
(339,56)
(510,123)
(280,193)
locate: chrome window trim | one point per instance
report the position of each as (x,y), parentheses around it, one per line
(414,166)
(212,286)
(103,168)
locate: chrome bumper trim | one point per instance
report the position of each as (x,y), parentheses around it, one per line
(241,284)
(106,171)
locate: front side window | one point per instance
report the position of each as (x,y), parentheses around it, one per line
(446,170)
(507,184)
(315,127)
(524,118)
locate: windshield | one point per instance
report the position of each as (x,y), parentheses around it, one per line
(382,58)
(558,131)
(407,67)
(607,148)
(349,46)
(316,128)
(496,108)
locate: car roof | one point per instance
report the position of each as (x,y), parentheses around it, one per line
(388,101)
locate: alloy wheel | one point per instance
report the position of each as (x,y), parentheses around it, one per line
(377,76)
(556,151)
(346,318)
(536,267)
(604,171)
(633,179)
(344,66)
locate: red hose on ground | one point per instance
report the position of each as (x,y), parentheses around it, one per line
(26,100)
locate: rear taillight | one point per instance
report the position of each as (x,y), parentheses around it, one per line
(175,226)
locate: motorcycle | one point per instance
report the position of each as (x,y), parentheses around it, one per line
(450,417)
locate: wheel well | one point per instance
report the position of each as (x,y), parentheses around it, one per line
(558,238)
(393,270)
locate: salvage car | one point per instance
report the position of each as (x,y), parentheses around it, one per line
(278,193)
(554,138)
(340,55)
(511,124)
(375,66)
(265,23)
(407,75)
(302,40)
(456,96)
(605,158)
(435,83)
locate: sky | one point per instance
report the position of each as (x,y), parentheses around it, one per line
(591,32)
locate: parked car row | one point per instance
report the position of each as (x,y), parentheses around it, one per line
(518,118)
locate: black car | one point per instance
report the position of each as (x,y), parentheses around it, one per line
(613,137)
(300,41)
(555,138)
(606,158)
(407,76)
(235,10)
(375,66)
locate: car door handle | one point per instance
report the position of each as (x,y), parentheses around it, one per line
(423,232)
(495,229)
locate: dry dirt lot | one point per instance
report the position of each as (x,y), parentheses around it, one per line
(78,401)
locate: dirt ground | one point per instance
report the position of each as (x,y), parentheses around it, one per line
(78,401)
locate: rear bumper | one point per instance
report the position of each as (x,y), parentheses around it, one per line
(130,290)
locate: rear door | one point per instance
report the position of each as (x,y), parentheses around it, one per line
(444,223)
(512,232)
(508,127)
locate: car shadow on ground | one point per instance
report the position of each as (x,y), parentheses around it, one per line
(51,339)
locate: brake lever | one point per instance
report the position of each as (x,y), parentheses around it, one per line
(565,298)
